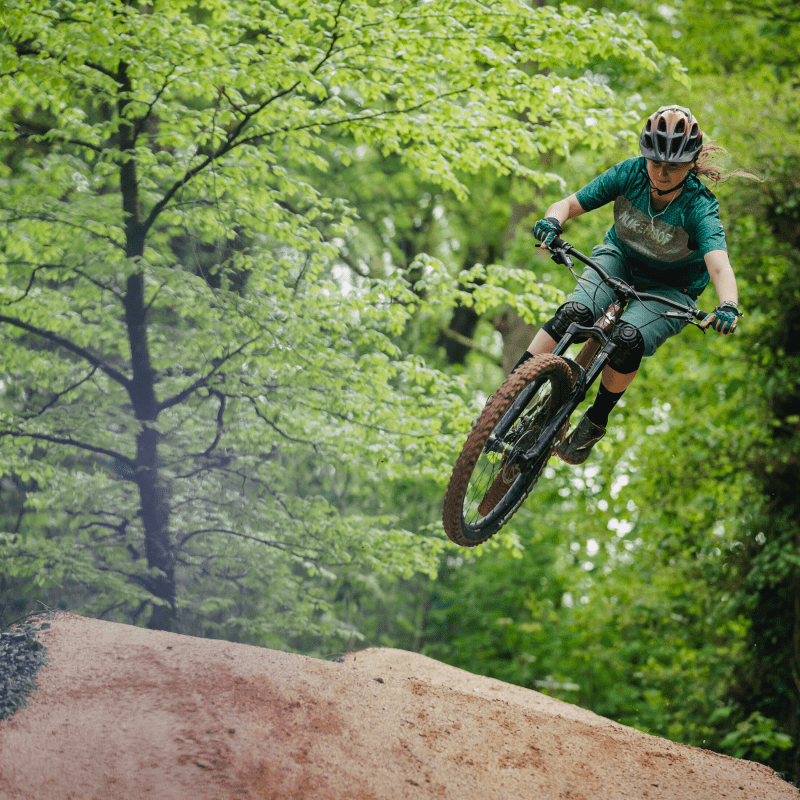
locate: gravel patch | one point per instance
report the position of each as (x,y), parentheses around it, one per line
(21,658)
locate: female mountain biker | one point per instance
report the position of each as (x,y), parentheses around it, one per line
(667,239)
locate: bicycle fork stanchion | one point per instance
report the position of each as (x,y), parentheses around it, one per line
(532,459)
(497,436)
(496,441)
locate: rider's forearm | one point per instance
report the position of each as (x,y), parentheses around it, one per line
(722,276)
(565,209)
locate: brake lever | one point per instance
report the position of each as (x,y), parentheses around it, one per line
(692,320)
(561,256)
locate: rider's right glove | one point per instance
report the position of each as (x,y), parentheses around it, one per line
(545,230)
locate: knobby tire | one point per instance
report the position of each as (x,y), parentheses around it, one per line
(487,487)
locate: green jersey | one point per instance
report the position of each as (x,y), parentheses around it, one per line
(668,245)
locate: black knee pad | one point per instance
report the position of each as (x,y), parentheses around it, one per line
(567,314)
(630,349)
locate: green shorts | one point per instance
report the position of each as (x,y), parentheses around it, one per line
(592,293)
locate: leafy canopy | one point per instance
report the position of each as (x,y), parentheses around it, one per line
(192,395)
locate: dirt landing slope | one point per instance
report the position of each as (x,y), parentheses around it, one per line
(123,713)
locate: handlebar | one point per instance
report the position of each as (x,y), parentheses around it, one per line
(562,252)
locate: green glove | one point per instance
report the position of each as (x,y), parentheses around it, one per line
(723,318)
(545,230)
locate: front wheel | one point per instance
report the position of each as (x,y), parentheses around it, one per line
(490,480)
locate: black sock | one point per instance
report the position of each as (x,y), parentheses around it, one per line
(603,405)
(522,359)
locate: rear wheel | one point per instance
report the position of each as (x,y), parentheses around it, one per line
(490,481)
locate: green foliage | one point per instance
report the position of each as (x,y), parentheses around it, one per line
(199,408)
(754,738)
(653,573)
(304,195)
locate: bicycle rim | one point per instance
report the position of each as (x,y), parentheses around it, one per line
(488,484)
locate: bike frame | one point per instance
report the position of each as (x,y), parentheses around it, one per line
(589,363)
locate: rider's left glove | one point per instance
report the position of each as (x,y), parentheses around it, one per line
(545,230)
(723,318)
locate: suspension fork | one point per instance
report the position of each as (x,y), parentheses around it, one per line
(532,458)
(605,324)
(591,366)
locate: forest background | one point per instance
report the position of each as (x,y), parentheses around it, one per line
(262,262)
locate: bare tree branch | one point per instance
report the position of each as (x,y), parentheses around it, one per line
(53,219)
(81,352)
(220,420)
(277,545)
(271,424)
(70,442)
(231,139)
(47,132)
(467,342)
(106,287)
(36,269)
(142,121)
(354,119)
(202,382)
(56,397)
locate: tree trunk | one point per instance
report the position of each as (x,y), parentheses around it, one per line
(154,490)
(465,319)
(517,334)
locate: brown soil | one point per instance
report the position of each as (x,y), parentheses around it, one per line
(122,712)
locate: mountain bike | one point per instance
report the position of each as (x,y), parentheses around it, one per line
(527,418)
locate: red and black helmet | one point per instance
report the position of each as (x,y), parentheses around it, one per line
(671,134)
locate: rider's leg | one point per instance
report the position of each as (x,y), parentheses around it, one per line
(591,429)
(619,373)
(549,335)
(543,342)
(615,381)
(612,387)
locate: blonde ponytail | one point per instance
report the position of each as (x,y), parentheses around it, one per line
(706,165)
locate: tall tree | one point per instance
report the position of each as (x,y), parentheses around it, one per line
(186,388)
